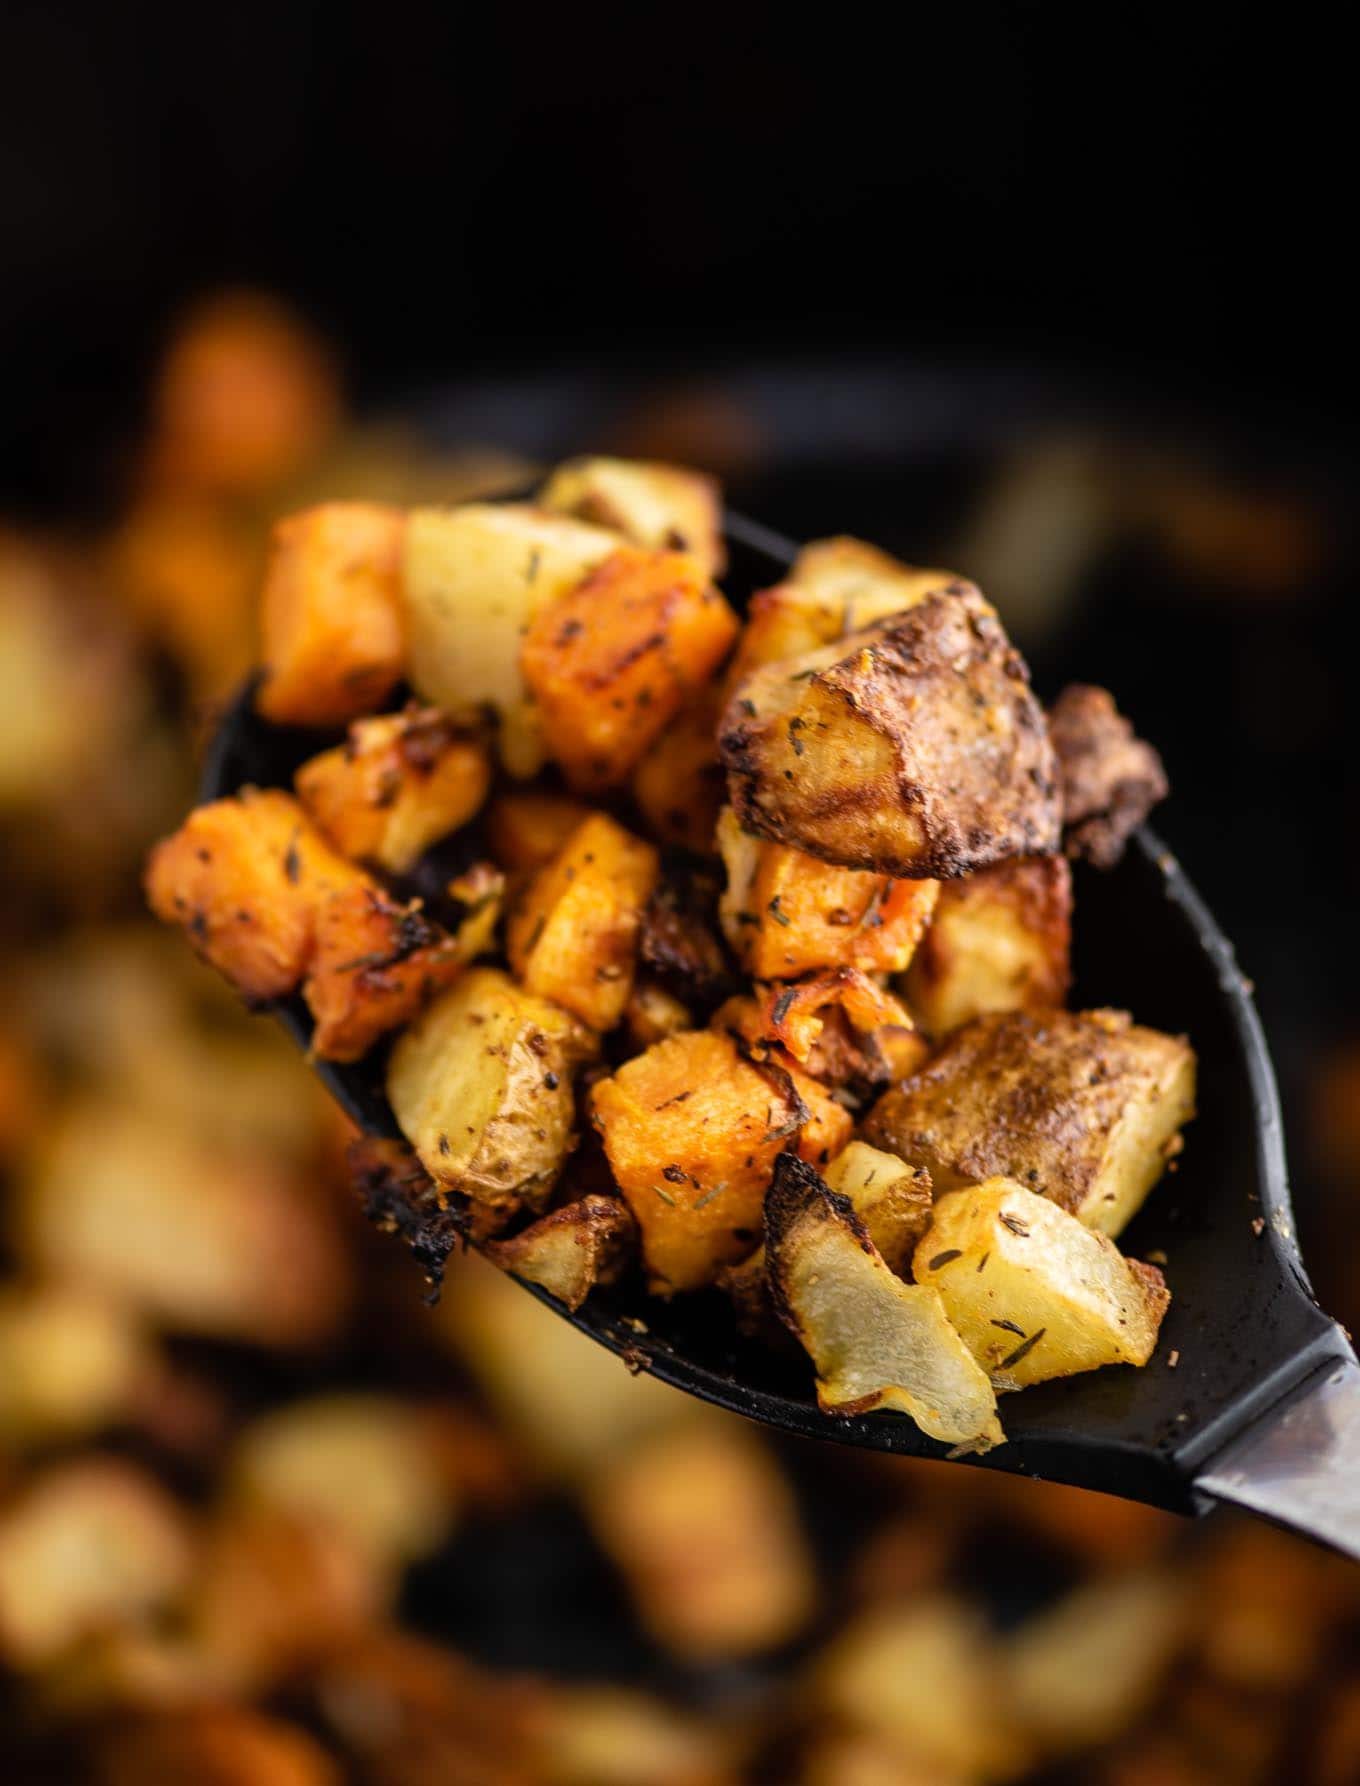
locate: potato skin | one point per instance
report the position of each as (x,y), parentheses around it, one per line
(913,748)
(572,1249)
(330,614)
(999,940)
(245,877)
(573,935)
(612,661)
(1084,1108)
(1109,777)
(396,785)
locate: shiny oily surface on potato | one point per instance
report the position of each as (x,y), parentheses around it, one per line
(1242,1330)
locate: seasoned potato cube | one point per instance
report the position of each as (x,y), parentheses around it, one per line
(573,935)
(703,1527)
(527,830)
(330,614)
(481,1084)
(650,505)
(877,1343)
(1109,777)
(914,748)
(570,1250)
(611,661)
(1034,1294)
(785,913)
(473,578)
(399,783)
(90,1544)
(680,784)
(377,961)
(891,1198)
(652,1014)
(245,877)
(999,940)
(1085,1108)
(691,1131)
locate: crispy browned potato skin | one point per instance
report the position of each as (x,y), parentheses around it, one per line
(245,878)
(999,940)
(1110,778)
(573,935)
(572,1249)
(1039,1097)
(611,662)
(914,748)
(330,614)
(396,785)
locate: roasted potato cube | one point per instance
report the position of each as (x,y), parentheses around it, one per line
(691,1131)
(1110,779)
(399,783)
(89,1544)
(703,1527)
(892,1199)
(652,1014)
(570,1250)
(245,877)
(70,1362)
(330,614)
(1034,1293)
(473,578)
(1085,1108)
(526,830)
(611,661)
(876,1342)
(657,506)
(785,913)
(573,935)
(481,1084)
(679,784)
(914,748)
(378,961)
(999,940)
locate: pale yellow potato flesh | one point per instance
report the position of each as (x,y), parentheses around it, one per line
(890,1197)
(661,507)
(1033,1292)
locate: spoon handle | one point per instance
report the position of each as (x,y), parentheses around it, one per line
(1300,1464)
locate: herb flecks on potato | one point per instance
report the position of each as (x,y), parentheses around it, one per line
(657,506)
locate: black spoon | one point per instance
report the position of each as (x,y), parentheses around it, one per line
(1254,1393)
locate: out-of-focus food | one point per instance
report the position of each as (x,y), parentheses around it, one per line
(1109,778)
(662,507)
(217,1745)
(70,1362)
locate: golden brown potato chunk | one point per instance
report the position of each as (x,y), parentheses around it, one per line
(913,748)
(396,785)
(1110,779)
(572,1249)
(330,614)
(877,1343)
(481,1084)
(1085,1108)
(612,661)
(785,913)
(245,878)
(652,1014)
(691,1130)
(657,506)
(891,1198)
(999,940)
(573,935)
(1033,1292)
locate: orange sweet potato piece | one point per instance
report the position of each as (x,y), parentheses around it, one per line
(786,913)
(245,877)
(691,1130)
(396,785)
(573,936)
(612,661)
(680,785)
(793,1016)
(330,614)
(528,829)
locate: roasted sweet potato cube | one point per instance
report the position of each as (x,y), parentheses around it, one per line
(573,935)
(229,1745)
(481,1084)
(999,940)
(377,961)
(680,785)
(691,1131)
(786,913)
(245,877)
(572,1249)
(1033,1292)
(913,748)
(473,578)
(649,504)
(613,660)
(330,614)
(526,830)
(794,1017)
(1085,1108)
(398,784)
